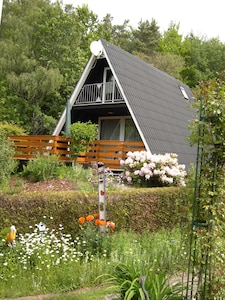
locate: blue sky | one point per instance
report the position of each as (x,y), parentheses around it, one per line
(203,18)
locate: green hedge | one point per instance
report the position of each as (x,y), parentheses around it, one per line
(131,209)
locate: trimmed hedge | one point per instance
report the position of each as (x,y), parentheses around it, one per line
(131,209)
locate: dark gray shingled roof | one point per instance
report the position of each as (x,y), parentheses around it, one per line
(156,103)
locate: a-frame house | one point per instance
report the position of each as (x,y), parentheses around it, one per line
(131,101)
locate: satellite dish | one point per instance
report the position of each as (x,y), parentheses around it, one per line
(96,48)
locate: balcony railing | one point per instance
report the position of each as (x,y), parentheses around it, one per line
(107,92)
(108,152)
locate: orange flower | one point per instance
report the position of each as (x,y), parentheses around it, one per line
(97,222)
(82,220)
(89,218)
(96,215)
(102,222)
(110,225)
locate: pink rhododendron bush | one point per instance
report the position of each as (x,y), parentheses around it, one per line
(144,169)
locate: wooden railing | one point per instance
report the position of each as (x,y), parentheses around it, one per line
(106,151)
(109,152)
(27,147)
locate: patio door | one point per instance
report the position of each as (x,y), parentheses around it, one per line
(121,129)
(110,129)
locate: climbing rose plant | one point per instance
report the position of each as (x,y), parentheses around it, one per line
(145,169)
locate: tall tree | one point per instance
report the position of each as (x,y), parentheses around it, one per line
(146,37)
(169,63)
(172,41)
(205,59)
(41,59)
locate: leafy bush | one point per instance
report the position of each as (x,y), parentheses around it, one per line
(146,170)
(11,129)
(133,285)
(83,135)
(41,168)
(7,164)
(81,177)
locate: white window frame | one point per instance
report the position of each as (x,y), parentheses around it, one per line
(104,84)
(122,124)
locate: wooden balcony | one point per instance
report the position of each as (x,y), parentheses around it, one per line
(99,93)
(108,152)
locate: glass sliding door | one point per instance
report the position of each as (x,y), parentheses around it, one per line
(130,132)
(121,129)
(110,129)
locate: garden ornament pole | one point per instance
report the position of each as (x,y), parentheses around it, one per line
(101,195)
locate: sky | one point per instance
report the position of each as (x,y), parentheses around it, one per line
(204,18)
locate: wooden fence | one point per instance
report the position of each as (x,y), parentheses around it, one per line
(106,151)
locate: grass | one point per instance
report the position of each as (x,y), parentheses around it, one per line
(53,263)
(97,293)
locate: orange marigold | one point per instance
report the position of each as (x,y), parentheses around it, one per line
(96,215)
(89,218)
(102,222)
(97,222)
(82,220)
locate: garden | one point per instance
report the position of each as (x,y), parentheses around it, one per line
(164,229)
(76,255)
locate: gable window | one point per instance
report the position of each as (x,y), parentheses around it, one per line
(109,85)
(120,128)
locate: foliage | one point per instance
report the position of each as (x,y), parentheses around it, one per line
(151,258)
(169,63)
(7,164)
(154,208)
(82,178)
(44,47)
(132,285)
(11,129)
(201,61)
(41,168)
(208,132)
(172,42)
(94,242)
(42,62)
(83,133)
(146,37)
(48,260)
(145,169)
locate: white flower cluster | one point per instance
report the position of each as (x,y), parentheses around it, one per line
(41,250)
(142,166)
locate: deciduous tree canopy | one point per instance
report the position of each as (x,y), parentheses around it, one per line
(44,48)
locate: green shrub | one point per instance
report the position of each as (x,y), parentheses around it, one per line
(41,168)
(83,134)
(136,281)
(132,209)
(7,164)
(11,129)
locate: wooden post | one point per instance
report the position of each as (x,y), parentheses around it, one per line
(101,195)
